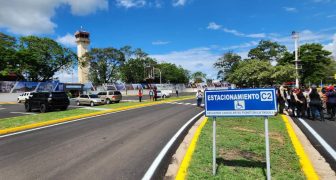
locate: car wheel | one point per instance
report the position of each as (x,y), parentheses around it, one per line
(91,104)
(64,108)
(43,108)
(108,101)
(27,107)
(117,101)
(78,103)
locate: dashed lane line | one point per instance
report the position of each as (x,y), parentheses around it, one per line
(25,113)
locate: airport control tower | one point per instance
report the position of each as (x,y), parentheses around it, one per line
(83,41)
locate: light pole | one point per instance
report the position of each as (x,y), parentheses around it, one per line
(295,36)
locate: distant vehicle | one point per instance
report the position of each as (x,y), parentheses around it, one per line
(47,101)
(163,93)
(110,96)
(91,100)
(23,97)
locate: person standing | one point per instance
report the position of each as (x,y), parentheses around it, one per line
(199,97)
(140,94)
(176,92)
(300,103)
(307,97)
(331,102)
(155,94)
(151,95)
(281,99)
(315,104)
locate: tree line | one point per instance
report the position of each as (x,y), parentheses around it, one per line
(35,58)
(270,63)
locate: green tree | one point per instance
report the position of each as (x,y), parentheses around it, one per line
(315,62)
(252,73)
(173,74)
(198,77)
(267,50)
(283,73)
(133,71)
(9,61)
(127,51)
(43,57)
(226,64)
(105,64)
(140,54)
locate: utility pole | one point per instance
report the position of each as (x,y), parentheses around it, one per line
(295,36)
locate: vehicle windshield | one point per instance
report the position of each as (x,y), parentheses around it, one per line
(93,96)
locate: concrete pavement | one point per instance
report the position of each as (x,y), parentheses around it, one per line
(113,146)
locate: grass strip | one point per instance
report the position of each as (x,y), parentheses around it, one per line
(18,121)
(241,151)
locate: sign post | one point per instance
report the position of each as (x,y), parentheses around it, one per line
(214,146)
(239,103)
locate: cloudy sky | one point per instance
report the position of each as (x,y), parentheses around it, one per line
(191,33)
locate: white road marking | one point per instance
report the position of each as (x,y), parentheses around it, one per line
(326,146)
(2,108)
(97,109)
(194,104)
(26,113)
(187,103)
(164,151)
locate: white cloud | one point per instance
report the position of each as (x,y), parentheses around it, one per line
(34,16)
(331,16)
(159,42)
(290,9)
(331,46)
(67,77)
(68,40)
(258,35)
(179,2)
(241,46)
(213,26)
(85,7)
(131,3)
(233,31)
(196,59)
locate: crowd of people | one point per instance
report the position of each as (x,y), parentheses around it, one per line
(311,102)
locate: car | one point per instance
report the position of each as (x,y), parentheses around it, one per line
(110,96)
(47,101)
(23,97)
(91,100)
(163,93)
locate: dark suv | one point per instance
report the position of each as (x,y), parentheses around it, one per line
(46,101)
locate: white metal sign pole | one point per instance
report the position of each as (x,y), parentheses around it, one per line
(214,146)
(268,162)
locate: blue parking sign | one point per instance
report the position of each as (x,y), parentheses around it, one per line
(240,102)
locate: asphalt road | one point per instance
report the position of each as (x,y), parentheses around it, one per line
(13,110)
(116,146)
(326,130)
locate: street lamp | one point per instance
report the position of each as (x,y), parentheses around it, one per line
(295,36)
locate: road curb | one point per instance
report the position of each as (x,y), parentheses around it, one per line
(8,102)
(61,120)
(305,162)
(182,171)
